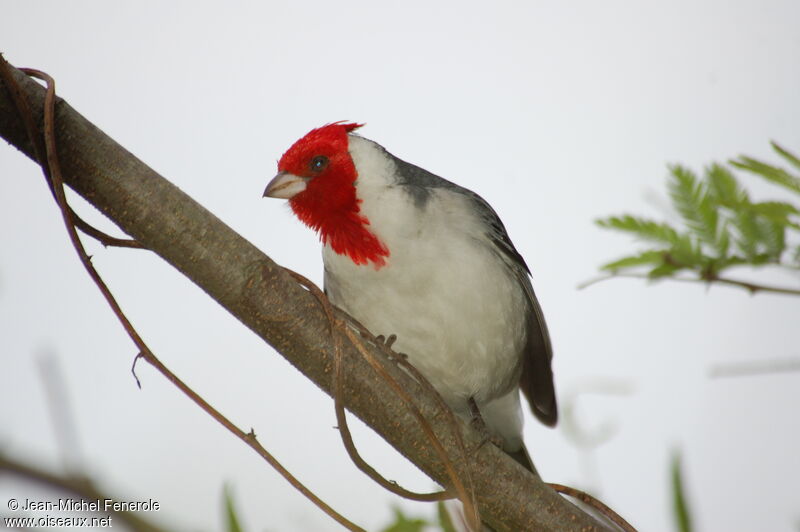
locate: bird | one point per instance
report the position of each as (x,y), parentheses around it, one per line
(415,256)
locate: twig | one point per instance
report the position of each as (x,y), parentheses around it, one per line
(40,151)
(751,287)
(53,174)
(104,238)
(585,498)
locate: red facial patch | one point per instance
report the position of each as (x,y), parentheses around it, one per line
(329,204)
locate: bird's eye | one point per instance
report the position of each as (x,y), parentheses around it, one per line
(318,163)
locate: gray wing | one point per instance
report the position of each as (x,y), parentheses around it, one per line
(536,380)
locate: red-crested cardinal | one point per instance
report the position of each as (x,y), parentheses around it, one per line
(411,254)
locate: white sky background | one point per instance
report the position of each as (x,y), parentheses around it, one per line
(556,112)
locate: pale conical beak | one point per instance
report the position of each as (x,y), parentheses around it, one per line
(285,186)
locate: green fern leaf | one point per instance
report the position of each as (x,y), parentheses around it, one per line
(722,227)
(778,212)
(693,202)
(760,260)
(687,253)
(786,154)
(727,262)
(772,236)
(231,517)
(663,270)
(445,522)
(724,239)
(651,257)
(773,174)
(775,209)
(642,228)
(404,523)
(724,186)
(747,233)
(716,266)
(680,504)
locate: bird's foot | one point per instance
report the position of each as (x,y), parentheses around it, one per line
(387,340)
(479,424)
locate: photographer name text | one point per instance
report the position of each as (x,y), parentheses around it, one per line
(84,505)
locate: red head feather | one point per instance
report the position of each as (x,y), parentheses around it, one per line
(329,204)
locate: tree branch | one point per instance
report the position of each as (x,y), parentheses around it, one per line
(51,167)
(750,287)
(268,301)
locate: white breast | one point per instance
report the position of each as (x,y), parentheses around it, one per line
(456,309)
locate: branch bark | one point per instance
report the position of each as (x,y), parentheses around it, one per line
(268,301)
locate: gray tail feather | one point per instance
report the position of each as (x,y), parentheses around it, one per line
(456,511)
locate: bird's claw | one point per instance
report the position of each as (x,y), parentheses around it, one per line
(387,340)
(479,425)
